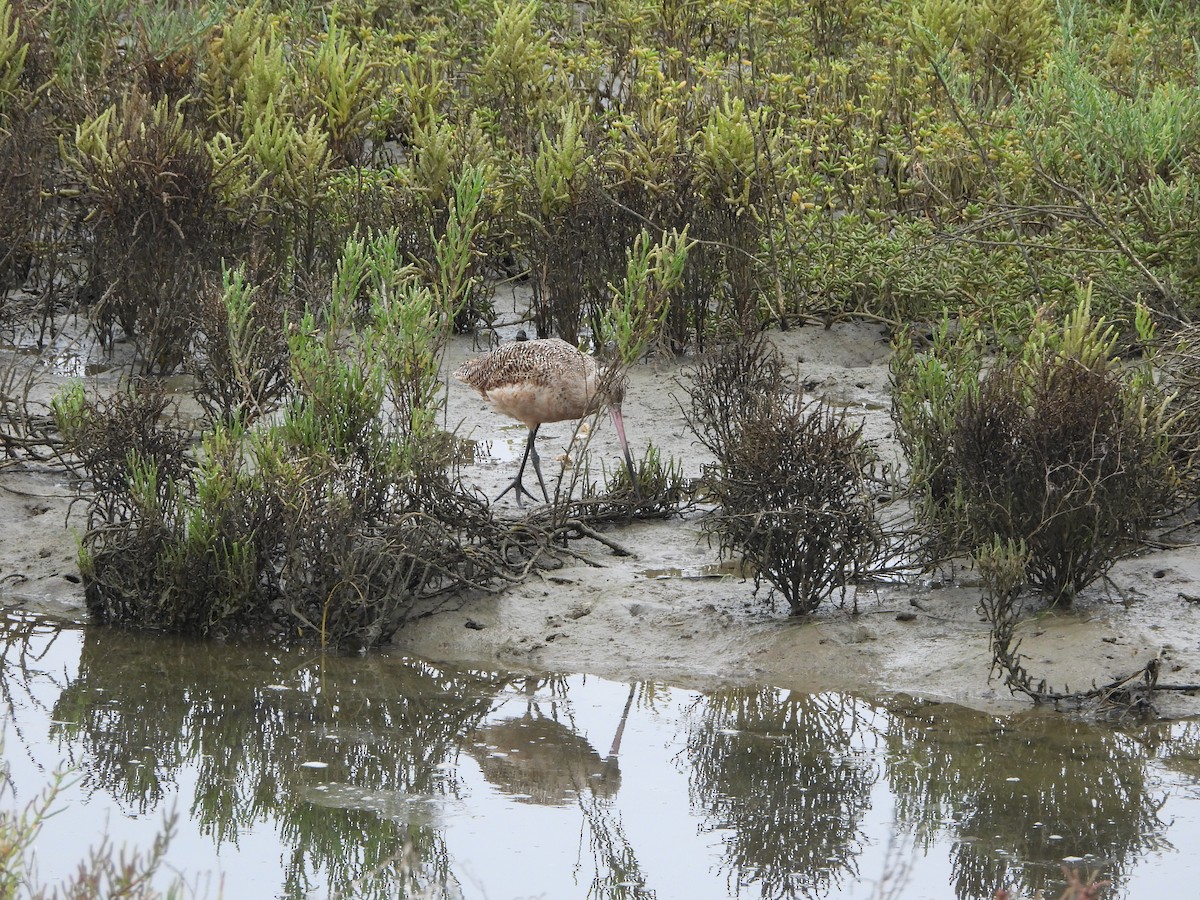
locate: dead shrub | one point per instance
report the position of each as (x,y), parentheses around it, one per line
(661,492)
(734,386)
(791,478)
(29,153)
(23,165)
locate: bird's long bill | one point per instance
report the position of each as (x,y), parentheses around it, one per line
(619,425)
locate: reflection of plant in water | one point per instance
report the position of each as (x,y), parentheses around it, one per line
(1017,814)
(540,760)
(618,873)
(1178,745)
(143,710)
(787,775)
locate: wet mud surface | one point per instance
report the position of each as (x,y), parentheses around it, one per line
(672,611)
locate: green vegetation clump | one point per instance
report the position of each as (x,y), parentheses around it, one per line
(337,522)
(832,159)
(192,181)
(1054,445)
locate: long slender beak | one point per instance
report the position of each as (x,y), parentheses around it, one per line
(619,424)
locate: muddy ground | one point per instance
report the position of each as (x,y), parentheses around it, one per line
(670,612)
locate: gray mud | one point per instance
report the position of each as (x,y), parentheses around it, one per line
(671,612)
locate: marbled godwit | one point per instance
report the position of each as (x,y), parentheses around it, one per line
(543,381)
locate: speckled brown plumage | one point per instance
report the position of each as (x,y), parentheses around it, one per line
(541,381)
(535,381)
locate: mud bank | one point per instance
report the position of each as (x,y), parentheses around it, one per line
(669,611)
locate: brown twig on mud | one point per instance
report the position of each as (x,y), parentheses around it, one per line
(1130,693)
(1002,569)
(584,530)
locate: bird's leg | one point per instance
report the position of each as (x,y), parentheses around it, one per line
(517,487)
(537,468)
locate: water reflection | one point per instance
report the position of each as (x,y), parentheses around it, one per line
(1019,795)
(345,756)
(380,776)
(788,778)
(539,758)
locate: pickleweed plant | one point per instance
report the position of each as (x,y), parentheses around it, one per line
(634,319)
(516,71)
(244,70)
(160,222)
(1002,40)
(13,51)
(239,356)
(560,187)
(342,82)
(454,279)
(336,519)
(1053,443)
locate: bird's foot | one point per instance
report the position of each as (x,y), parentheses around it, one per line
(520,492)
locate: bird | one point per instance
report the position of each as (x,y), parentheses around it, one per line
(544,380)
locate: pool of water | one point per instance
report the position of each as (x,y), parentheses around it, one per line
(291,773)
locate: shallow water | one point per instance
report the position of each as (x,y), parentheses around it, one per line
(299,774)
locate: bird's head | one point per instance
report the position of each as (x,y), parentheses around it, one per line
(612,390)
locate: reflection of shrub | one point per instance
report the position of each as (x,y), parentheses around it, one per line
(1086,787)
(783,776)
(791,477)
(1056,447)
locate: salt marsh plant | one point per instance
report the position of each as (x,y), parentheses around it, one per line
(1002,41)
(340,79)
(792,477)
(239,354)
(633,321)
(626,332)
(562,215)
(158,223)
(338,522)
(829,160)
(13,50)
(1055,444)
(1180,364)
(833,159)
(28,156)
